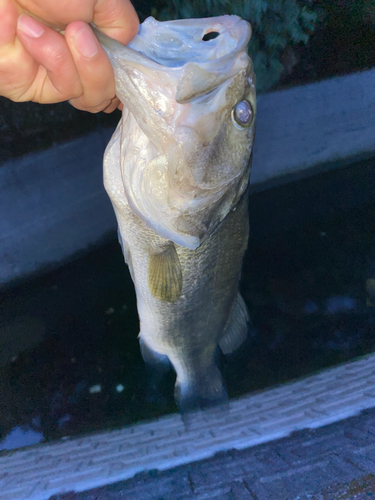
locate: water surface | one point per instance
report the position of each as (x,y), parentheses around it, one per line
(311,251)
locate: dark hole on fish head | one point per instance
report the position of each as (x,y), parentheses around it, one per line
(210,36)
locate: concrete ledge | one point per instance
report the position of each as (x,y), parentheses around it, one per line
(104,458)
(303,128)
(53,203)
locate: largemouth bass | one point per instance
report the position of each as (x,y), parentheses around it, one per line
(177,171)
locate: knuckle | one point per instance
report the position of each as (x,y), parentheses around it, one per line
(83,105)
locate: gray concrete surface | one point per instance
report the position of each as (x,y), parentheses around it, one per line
(53,203)
(80,464)
(307,127)
(336,462)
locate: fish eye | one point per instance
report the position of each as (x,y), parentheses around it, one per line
(242,114)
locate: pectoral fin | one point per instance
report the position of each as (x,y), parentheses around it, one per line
(165,274)
(237,328)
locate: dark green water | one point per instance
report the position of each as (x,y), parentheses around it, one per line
(311,250)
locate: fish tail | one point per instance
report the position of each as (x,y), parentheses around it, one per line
(201,392)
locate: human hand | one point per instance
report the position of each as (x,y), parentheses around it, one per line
(39,64)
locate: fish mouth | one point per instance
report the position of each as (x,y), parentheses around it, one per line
(175,43)
(177,60)
(210,42)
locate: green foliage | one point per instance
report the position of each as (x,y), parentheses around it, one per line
(276,24)
(360,11)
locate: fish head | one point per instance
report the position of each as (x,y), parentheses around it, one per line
(188,91)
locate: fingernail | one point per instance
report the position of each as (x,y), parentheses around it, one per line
(29,26)
(86,43)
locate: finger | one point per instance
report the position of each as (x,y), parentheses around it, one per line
(8,16)
(93,66)
(58,14)
(17,68)
(57,78)
(117,19)
(115,103)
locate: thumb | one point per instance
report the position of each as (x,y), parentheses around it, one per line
(117,19)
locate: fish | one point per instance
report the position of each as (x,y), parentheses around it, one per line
(177,173)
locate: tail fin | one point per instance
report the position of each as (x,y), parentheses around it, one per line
(202,392)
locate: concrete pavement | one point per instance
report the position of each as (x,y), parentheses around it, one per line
(96,460)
